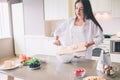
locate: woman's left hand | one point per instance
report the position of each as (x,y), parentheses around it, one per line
(89,44)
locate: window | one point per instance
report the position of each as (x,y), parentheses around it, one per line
(4,20)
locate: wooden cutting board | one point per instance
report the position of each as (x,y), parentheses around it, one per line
(73,48)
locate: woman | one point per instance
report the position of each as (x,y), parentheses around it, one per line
(81,28)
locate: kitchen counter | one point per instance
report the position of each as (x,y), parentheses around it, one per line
(55,70)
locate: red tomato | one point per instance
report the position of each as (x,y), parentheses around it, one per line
(22,58)
(82,70)
(27,58)
(78,72)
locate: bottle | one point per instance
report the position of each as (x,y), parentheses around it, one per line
(100,64)
(107,58)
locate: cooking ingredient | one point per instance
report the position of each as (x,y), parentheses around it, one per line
(8,63)
(109,70)
(34,65)
(79,72)
(32,60)
(23,58)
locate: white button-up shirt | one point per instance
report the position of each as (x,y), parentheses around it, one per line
(69,34)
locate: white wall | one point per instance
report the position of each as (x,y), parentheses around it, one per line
(6,48)
(51,25)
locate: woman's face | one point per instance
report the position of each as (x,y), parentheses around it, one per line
(79,9)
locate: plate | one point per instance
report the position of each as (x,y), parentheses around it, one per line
(94,78)
(13,67)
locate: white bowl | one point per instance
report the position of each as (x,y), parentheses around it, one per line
(65,58)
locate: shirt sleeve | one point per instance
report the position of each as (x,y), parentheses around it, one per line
(98,35)
(60,30)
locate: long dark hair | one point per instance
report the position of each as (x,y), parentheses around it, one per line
(88,14)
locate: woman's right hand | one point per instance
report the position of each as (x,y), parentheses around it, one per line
(57,41)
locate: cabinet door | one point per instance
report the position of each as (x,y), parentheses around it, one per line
(34,17)
(115,8)
(56,9)
(101,5)
(40,45)
(18,28)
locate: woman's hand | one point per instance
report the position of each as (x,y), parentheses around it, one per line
(89,44)
(57,41)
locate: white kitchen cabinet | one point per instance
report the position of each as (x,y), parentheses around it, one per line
(18,28)
(101,5)
(40,45)
(28,19)
(34,17)
(56,9)
(115,8)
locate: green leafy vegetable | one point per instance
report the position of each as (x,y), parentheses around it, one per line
(32,60)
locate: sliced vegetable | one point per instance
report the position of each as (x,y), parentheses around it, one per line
(32,60)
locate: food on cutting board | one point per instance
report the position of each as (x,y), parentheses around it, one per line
(73,48)
(94,78)
(8,64)
(80,46)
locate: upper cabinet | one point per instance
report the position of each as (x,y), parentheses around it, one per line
(109,6)
(115,8)
(58,9)
(34,17)
(101,5)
